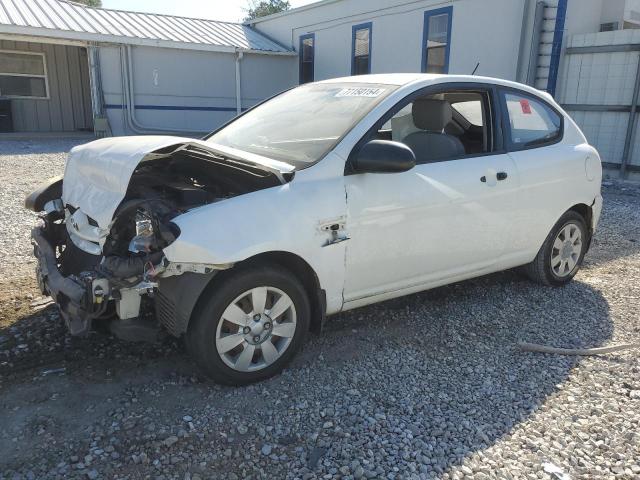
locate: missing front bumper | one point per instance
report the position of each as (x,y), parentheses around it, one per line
(85,296)
(73,294)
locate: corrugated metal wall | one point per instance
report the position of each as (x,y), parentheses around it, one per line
(69,106)
(605,82)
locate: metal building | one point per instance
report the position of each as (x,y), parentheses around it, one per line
(583,52)
(66,67)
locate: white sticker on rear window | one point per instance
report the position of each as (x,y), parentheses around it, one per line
(360,92)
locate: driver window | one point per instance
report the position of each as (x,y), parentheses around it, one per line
(443,126)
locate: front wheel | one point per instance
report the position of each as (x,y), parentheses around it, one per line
(561,255)
(251,326)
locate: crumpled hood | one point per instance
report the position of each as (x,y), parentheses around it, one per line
(97,174)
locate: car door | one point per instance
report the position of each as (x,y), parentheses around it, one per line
(445,219)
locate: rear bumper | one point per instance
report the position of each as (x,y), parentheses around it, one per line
(596,210)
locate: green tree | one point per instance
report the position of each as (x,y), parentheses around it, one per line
(263,8)
(90,3)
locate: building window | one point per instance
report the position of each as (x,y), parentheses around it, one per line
(23,75)
(361,49)
(436,40)
(307,52)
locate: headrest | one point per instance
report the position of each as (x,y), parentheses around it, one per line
(430,114)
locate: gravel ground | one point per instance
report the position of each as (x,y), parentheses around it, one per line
(23,166)
(427,386)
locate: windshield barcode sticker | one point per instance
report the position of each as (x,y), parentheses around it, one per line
(360,92)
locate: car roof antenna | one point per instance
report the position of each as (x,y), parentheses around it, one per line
(475,69)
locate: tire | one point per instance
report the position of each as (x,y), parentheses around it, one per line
(228,317)
(545,268)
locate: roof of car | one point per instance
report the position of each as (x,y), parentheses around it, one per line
(385,78)
(401,79)
(406,78)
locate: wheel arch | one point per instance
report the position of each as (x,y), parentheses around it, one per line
(582,209)
(180,297)
(304,272)
(538,268)
(586,212)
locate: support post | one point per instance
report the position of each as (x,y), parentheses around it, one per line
(101,127)
(631,126)
(521,47)
(239,56)
(556,47)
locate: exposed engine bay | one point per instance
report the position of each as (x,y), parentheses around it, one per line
(111,271)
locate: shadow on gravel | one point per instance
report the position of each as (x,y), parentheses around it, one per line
(438,371)
(460,383)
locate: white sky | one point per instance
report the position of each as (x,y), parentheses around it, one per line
(227,10)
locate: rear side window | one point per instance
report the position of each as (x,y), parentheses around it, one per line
(532,123)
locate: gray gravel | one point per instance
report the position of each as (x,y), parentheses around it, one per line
(427,386)
(23,166)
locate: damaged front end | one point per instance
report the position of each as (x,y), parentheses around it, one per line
(104,226)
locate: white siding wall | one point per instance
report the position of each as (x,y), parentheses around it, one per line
(485,31)
(631,10)
(613,11)
(265,75)
(477,34)
(185,78)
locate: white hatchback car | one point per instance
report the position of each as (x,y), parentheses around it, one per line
(327,197)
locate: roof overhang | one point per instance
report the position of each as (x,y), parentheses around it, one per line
(46,35)
(12,37)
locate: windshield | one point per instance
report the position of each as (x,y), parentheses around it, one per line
(300,126)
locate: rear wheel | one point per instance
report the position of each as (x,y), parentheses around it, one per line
(561,255)
(251,326)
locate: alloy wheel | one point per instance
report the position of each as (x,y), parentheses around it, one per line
(256,329)
(566,250)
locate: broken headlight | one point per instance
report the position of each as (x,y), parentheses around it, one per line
(145,239)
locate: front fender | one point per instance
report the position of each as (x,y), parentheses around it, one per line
(241,227)
(49,190)
(286,218)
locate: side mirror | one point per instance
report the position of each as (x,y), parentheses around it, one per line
(383,156)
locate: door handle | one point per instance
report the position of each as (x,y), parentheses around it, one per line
(499,176)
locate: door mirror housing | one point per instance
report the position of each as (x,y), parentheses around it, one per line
(383,156)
